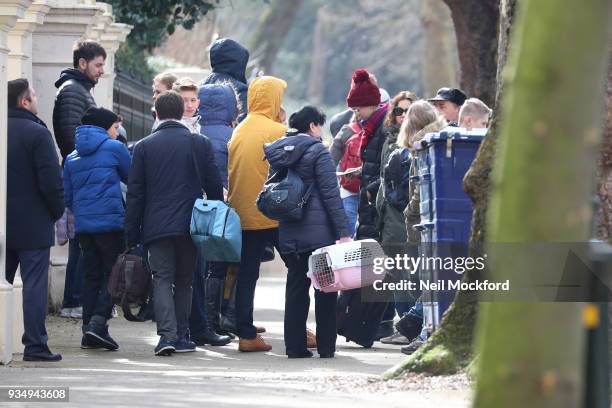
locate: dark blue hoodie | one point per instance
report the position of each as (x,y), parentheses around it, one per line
(92,176)
(228,60)
(217,112)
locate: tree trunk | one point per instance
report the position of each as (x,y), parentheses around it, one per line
(536,200)
(272,32)
(450,347)
(316,80)
(439,65)
(476,24)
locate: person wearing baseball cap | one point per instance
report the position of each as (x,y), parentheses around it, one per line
(92,191)
(448,101)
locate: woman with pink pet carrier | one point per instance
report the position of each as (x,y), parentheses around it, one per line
(323,222)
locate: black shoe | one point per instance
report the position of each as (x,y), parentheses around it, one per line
(303,354)
(210,337)
(98,334)
(164,347)
(44,355)
(326,355)
(409,326)
(385,329)
(87,344)
(226,333)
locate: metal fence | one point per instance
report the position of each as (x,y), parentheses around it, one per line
(132,100)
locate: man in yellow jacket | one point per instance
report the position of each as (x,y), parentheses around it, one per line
(247,174)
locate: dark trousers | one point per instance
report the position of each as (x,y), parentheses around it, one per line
(297,303)
(73,285)
(253,243)
(172,260)
(99,254)
(197,318)
(35,276)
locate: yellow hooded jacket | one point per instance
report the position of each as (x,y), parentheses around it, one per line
(247,168)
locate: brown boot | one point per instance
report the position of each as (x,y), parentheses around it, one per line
(256,344)
(311,339)
(260,329)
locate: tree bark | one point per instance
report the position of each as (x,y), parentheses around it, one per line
(318,64)
(537,200)
(272,32)
(450,347)
(476,24)
(439,65)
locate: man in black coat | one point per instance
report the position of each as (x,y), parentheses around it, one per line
(162,188)
(35,200)
(74,92)
(72,100)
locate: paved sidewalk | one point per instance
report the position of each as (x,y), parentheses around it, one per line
(224,377)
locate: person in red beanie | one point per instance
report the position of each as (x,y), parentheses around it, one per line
(364,99)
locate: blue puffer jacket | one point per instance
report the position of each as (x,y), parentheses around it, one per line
(218,109)
(92,175)
(228,60)
(324,219)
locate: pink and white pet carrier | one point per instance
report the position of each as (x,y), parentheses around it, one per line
(345,266)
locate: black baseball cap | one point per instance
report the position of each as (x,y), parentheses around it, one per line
(453,95)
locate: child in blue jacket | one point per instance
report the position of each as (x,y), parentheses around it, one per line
(92,191)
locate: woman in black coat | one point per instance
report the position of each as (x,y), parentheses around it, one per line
(323,223)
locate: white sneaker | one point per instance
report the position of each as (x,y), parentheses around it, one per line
(77,312)
(66,311)
(115,313)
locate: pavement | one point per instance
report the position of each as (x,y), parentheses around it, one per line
(224,377)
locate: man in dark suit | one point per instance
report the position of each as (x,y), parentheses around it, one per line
(35,200)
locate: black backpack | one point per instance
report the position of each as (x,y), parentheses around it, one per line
(397,178)
(129,283)
(284,196)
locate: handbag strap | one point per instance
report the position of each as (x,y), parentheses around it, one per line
(195,161)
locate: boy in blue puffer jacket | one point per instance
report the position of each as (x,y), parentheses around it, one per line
(92,191)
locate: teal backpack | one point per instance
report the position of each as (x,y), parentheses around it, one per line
(215,227)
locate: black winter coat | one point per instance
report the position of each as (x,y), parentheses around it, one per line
(35,193)
(324,220)
(370,182)
(163,184)
(72,100)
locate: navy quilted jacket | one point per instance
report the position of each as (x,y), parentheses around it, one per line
(72,100)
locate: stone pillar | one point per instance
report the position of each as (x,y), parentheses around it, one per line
(66,22)
(20,41)
(10,11)
(110,35)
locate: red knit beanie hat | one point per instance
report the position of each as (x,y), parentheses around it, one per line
(363,92)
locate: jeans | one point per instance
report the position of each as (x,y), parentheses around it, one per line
(351,207)
(35,276)
(99,254)
(197,317)
(73,285)
(253,243)
(172,260)
(297,303)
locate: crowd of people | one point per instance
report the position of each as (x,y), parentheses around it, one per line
(105,199)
